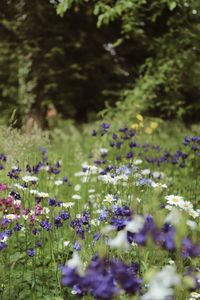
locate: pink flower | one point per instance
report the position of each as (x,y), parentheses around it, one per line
(3,187)
(38,209)
(32,218)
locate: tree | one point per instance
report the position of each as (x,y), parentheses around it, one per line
(166,83)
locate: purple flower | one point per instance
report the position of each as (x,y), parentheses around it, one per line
(45,224)
(17,227)
(31,252)
(2,245)
(64,215)
(167,237)
(70,276)
(125,275)
(190,249)
(94,132)
(77,246)
(58,221)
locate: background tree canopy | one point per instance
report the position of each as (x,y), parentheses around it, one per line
(79,55)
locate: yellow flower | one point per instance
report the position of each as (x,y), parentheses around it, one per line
(153,125)
(148,130)
(139,117)
(135,126)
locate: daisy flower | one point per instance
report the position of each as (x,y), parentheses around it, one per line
(174,200)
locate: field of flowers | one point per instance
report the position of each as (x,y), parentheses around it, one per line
(109,213)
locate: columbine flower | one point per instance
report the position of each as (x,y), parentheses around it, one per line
(173,217)
(120,241)
(160,286)
(174,200)
(145,172)
(76,263)
(29,178)
(77,187)
(58,182)
(34,192)
(109,198)
(42,195)
(66,243)
(31,252)
(136,224)
(19,186)
(137,162)
(3,187)
(191,224)
(67,204)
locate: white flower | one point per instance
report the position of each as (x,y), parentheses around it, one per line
(10,217)
(135,225)
(120,241)
(90,191)
(14,167)
(169,207)
(4,238)
(158,174)
(95,222)
(17,202)
(77,187)
(103,151)
(17,185)
(122,177)
(191,224)
(108,179)
(79,174)
(46,168)
(45,211)
(107,229)
(186,205)
(174,200)
(67,204)
(58,182)
(164,186)
(173,217)
(66,243)
(194,295)
(193,213)
(93,169)
(29,178)
(42,194)
(76,263)
(154,184)
(160,285)
(76,197)
(109,198)
(145,172)
(137,162)
(34,192)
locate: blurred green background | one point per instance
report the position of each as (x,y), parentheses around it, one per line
(70,59)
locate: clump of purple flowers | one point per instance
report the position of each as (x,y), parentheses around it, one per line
(103,279)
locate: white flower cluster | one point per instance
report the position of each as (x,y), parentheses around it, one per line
(178,201)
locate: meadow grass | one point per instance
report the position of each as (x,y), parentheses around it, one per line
(117,195)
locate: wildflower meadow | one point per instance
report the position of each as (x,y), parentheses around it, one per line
(108,213)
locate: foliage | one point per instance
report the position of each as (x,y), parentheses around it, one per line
(47,60)
(168,31)
(34,192)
